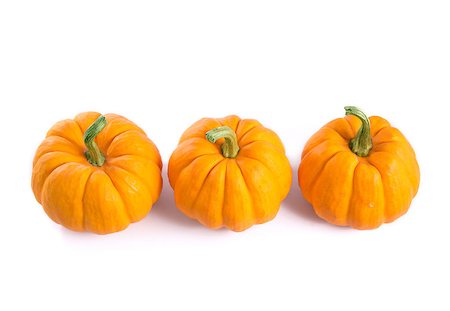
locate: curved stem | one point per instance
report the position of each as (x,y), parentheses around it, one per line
(362,143)
(230,147)
(93,153)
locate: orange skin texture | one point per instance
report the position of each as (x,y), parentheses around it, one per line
(106,199)
(224,192)
(361,192)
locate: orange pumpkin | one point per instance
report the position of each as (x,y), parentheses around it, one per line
(96,173)
(358,171)
(229,172)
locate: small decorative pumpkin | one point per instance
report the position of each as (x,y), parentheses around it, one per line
(358,171)
(96,173)
(229,172)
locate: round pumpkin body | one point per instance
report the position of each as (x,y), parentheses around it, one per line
(101,198)
(234,191)
(361,191)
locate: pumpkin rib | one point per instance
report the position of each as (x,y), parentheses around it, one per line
(400,145)
(342,127)
(363,217)
(244,135)
(239,125)
(75,146)
(382,187)
(88,117)
(313,185)
(324,162)
(82,199)
(107,144)
(45,179)
(402,163)
(143,136)
(130,130)
(100,221)
(319,139)
(120,167)
(215,221)
(248,130)
(323,195)
(264,142)
(409,152)
(276,141)
(197,130)
(185,167)
(248,191)
(335,131)
(312,149)
(319,173)
(263,164)
(351,193)
(274,161)
(203,183)
(344,140)
(66,207)
(138,156)
(114,120)
(224,194)
(70,142)
(376,120)
(226,219)
(406,168)
(59,152)
(271,212)
(388,218)
(384,143)
(391,139)
(351,196)
(41,155)
(65,152)
(194,138)
(55,217)
(120,196)
(265,204)
(112,116)
(176,186)
(79,126)
(38,179)
(380,129)
(117,164)
(229,121)
(275,147)
(58,132)
(201,140)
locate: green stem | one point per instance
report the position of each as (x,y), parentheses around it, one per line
(362,143)
(93,153)
(230,147)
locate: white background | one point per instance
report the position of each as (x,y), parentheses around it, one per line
(293,65)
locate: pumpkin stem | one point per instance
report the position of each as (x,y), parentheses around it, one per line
(230,147)
(362,143)
(93,153)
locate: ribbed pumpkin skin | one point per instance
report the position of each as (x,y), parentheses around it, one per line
(105,199)
(361,192)
(235,193)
